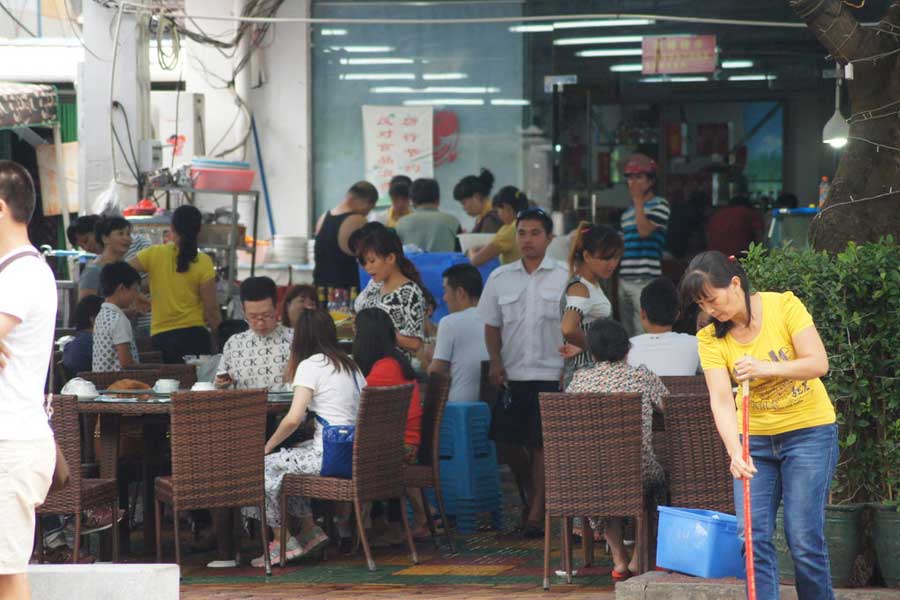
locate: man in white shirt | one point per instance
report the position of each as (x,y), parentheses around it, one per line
(660,349)
(255,358)
(27,318)
(520,311)
(459,349)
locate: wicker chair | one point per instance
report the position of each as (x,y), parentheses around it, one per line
(218,444)
(81,493)
(685,384)
(592,463)
(185,374)
(377,463)
(427,474)
(699,467)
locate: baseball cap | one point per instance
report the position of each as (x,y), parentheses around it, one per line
(639,163)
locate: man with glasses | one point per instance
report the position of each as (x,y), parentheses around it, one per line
(257,357)
(520,310)
(644,225)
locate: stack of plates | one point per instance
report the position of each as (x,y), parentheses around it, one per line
(290,249)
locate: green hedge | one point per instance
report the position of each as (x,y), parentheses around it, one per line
(854,298)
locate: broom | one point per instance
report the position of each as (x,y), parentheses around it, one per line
(748,517)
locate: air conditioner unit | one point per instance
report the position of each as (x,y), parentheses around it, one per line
(179,124)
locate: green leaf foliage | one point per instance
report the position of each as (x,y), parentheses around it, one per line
(854,299)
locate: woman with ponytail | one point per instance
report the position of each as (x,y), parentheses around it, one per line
(508,203)
(595,254)
(770,340)
(474,193)
(395,286)
(183,282)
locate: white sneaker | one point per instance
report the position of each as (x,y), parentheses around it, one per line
(294,550)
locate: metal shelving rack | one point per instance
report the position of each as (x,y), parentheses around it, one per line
(234,244)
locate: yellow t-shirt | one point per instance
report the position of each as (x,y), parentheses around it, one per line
(505,240)
(776,405)
(175,297)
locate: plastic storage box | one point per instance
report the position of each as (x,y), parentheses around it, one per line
(223,180)
(699,542)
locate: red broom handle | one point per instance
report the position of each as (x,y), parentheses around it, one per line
(748,516)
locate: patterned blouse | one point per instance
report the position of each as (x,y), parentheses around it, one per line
(405,306)
(595,306)
(620,377)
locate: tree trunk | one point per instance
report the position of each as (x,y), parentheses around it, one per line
(864,202)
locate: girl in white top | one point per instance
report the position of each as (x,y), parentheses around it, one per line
(594,255)
(326,381)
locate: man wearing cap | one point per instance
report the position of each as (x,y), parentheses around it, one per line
(644,226)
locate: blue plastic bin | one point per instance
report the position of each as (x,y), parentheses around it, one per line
(699,542)
(431,266)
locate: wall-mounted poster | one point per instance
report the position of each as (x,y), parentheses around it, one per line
(398,141)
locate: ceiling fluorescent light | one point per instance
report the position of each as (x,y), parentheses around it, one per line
(363,48)
(509,102)
(376,76)
(753,77)
(444,76)
(599,53)
(627,68)
(602,23)
(664,79)
(445,102)
(377,61)
(609,39)
(436,90)
(536,28)
(385,89)
(737,64)
(334,32)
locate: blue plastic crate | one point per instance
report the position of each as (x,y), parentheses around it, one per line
(699,542)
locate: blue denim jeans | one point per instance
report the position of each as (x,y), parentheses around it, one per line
(795,467)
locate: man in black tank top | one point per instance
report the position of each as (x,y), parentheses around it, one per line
(335,263)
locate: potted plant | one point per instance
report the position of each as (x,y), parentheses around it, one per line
(853,297)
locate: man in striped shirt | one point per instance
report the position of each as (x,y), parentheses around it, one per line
(644,226)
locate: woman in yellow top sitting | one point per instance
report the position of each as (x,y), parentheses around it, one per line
(769,339)
(508,203)
(183,284)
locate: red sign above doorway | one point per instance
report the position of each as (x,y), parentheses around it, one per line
(679,54)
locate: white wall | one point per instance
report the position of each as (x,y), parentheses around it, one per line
(280,103)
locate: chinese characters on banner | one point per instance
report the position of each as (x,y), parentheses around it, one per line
(679,54)
(398,141)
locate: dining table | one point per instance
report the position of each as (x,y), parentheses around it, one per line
(151,410)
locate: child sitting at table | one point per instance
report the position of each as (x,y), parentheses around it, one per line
(114,347)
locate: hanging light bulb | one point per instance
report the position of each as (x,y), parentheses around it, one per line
(836,130)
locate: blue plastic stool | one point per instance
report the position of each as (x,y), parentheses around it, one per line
(470,478)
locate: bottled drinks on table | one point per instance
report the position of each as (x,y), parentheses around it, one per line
(824,187)
(323,299)
(353,295)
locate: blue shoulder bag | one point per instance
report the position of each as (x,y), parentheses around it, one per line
(337,447)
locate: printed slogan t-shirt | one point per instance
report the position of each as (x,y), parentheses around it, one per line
(776,405)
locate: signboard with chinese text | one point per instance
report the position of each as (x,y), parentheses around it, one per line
(398,141)
(679,54)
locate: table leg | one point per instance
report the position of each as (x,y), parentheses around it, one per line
(154,443)
(109,460)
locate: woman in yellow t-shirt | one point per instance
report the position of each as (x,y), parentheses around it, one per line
(769,339)
(183,284)
(508,203)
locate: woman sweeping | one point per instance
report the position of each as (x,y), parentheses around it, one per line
(770,340)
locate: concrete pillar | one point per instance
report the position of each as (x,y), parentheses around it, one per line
(130,87)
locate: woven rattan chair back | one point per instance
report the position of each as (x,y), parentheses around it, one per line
(218,444)
(68,436)
(685,384)
(378,445)
(592,454)
(185,374)
(436,392)
(698,463)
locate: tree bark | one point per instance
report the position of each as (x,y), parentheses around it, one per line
(864,201)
